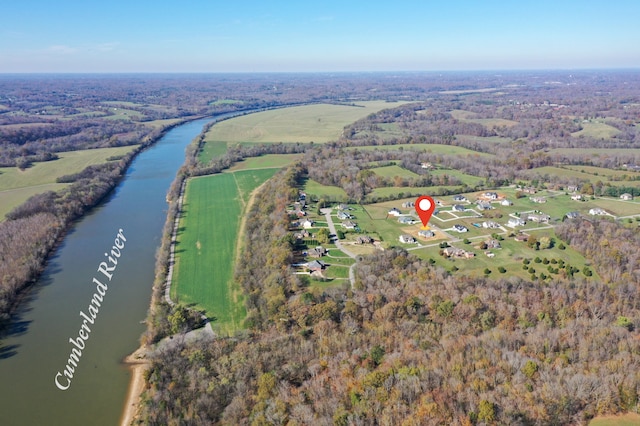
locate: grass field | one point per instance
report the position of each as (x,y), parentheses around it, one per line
(602,172)
(393,171)
(266,162)
(309,123)
(16,185)
(596,152)
(207,245)
(333,193)
(629,419)
(597,130)
(408,191)
(577,172)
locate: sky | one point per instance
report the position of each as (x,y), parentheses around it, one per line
(113,36)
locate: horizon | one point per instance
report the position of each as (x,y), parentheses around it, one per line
(249,36)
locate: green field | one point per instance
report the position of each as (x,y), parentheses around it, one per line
(576,172)
(596,152)
(463,177)
(266,162)
(393,171)
(207,245)
(602,172)
(16,185)
(406,191)
(333,193)
(309,123)
(597,130)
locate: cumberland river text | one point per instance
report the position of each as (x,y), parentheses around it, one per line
(107,269)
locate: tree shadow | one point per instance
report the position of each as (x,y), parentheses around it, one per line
(8,351)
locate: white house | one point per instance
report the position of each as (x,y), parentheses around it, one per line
(426,234)
(506,202)
(407,239)
(349,225)
(597,212)
(514,221)
(460,228)
(576,197)
(626,197)
(407,220)
(307,224)
(394,212)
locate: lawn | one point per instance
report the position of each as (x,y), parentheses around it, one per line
(309,123)
(207,245)
(16,185)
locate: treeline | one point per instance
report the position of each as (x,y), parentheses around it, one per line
(409,344)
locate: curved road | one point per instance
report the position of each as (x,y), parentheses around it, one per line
(339,245)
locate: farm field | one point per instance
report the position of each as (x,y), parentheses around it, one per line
(207,245)
(608,173)
(407,191)
(16,185)
(309,123)
(629,419)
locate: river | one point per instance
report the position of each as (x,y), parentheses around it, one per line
(38,346)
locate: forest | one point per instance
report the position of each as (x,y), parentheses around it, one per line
(408,344)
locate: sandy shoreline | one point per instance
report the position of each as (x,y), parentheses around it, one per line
(137,364)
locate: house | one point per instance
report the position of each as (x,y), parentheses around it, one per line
(407,239)
(506,203)
(490,225)
(364,239)
(626,197)
(458,253)
(307,224)
(572,215)
(492,243)
(349,224)
(394,212)
(489,254)
(426,165)
(460,198)
(343,207)
(572,188)
(301,235)
(317,252)
(408,204)
(516,221)
(342,215)
(577,197)
(458,208)
(538,217)
(597,212)
(316,265)
(407,220)
(539,200)
(522,237)
(426,234)
(529,190)
(460,228)
(483,205)
(491,195)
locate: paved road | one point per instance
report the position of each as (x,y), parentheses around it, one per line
(339,245)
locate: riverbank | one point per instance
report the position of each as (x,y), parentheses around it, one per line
(138,365)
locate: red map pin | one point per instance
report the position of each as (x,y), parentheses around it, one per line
(425,207)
